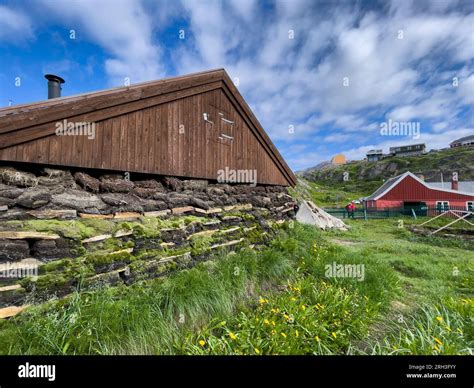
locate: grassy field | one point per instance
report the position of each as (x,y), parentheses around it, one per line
(416,297)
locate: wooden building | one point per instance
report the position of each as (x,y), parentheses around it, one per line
(191,126)
(407,190)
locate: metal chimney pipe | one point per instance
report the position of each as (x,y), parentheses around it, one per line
(54,85)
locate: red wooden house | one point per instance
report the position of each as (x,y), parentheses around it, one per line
(408,191)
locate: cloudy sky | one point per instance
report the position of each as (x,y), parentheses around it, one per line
(321,76)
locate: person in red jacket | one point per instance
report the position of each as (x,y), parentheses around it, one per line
(350,209)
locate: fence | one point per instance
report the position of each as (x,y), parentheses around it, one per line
(412,211)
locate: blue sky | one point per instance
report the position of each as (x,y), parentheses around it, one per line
(321,76)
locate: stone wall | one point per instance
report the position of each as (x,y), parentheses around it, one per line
(25,195)
(82,232)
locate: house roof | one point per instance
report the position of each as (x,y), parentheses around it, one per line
(466,186)
(465,138)
(393,182)
(23,123)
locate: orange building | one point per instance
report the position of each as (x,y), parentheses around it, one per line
(338,159)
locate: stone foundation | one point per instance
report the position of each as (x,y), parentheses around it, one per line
(83,232)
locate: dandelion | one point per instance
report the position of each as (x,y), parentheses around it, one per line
(202,343)
(283,335)
(438,341)
(436,348)
(263,301)
(334,334)
(303,307)
(273,323)
(293,299)
(223,323)
(257,351)
(317,338)
(439,319)
(232,336)
(266,321)
(297,334)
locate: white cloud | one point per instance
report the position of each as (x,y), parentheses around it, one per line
(123,28)
(15,25)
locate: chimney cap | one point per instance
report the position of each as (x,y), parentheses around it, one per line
(54,78)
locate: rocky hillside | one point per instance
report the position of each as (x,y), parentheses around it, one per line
(366,176)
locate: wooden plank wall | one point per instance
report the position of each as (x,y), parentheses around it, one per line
(149,140)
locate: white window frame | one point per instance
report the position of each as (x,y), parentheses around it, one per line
(442,207)
(467,205)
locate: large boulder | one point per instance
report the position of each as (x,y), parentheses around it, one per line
(12,176)
(116,185)
(78,200)
(87,182)
(52,249)
(150,184)
(57,181)
(13,250)
(33,199)
(195,185)
(309,213)
(11,192)
(173,183)
(179,200)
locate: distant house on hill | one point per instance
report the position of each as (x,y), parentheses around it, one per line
(408,150)
(408,191)
(374,155)
(338,159)
(463,142)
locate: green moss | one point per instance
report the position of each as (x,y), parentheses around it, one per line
(101,258)
(51,281)
(73,229)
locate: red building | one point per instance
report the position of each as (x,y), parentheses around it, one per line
(408,191)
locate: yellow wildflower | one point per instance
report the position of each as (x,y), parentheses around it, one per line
(297,333)
(266,321)
(439,319)
(202,342)
(438,341)
(303,307)
(283,335)
(334,334)
(257,351)
(273,323)
(232,336)
(293,299)
(317,338)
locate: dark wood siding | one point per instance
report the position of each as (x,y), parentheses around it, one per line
(149,140)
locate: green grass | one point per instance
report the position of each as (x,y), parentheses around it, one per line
(415,298)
